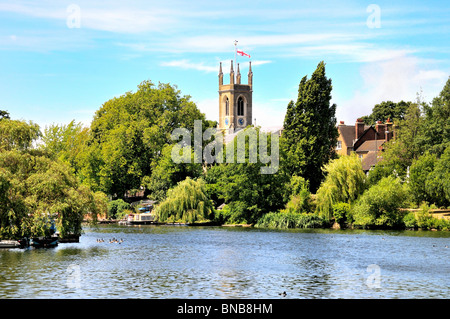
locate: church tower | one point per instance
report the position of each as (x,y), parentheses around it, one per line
(235,101)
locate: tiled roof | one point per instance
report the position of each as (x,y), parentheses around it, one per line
(371,145)
(369,160)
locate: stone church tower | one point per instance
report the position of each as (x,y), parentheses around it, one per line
(235,101)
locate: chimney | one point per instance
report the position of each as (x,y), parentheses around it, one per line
(389,130)
(380,128)
(359,128)
(341,123)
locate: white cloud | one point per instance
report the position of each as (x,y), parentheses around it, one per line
(396,79)
(200,66)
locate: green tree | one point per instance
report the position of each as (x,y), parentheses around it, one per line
(379,206)
(18,135)
(400,152)
(129,132)
(247,192)
(4,115)
(38,190)
(420,171)
(186,202)
(437,184)
(387,110)
(166,173)
(436,126)
(310,132)
(345,181)
(67,143)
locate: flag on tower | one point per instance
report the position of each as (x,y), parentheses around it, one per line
(240,52)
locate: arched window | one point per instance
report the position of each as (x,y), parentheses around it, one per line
(227,107)
(240,106)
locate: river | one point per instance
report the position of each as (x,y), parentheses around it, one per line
(231,262)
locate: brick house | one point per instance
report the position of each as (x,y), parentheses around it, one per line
(365,140)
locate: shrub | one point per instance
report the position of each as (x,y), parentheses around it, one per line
(116,208)
(300,200)
(284,220)
(378,207)
(341,213)
(409,220)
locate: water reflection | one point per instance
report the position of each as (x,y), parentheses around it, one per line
(208,262)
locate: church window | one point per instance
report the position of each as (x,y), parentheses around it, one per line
(240,107)
(227,107)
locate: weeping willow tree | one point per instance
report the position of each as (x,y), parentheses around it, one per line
(345,181)
(187,202)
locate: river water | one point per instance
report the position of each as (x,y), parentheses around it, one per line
(228,262)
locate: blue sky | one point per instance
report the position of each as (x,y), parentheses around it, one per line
(61,60)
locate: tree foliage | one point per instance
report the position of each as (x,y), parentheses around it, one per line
(186,202)
(387,110)
(129,132)
(310,132)
(345,181)
(379,206)
(248,193)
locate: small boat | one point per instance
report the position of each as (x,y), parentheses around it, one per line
(44,242)
(70,238)
(21,243)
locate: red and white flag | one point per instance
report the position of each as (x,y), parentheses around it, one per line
(242,53)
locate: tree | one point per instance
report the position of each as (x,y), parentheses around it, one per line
(186,202)
(400,152)
(310,134)
(420,171)
(345,181)
(37,190)
(166,173)
(18,135)
(247,192)
(436,126)
(68,143)
(387,110)
(437,184)
(378,206)
(4,115)
(129,132)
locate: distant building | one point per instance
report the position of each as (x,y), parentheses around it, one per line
(235,101)
(365,140)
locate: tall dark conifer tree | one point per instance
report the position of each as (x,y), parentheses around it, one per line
(310,134)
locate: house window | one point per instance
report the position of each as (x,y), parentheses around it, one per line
(240,107)
(339,145)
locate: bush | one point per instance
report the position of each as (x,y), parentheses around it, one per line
(379,206)
(286,220)
(409,220)
(341,213)
(116,208)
